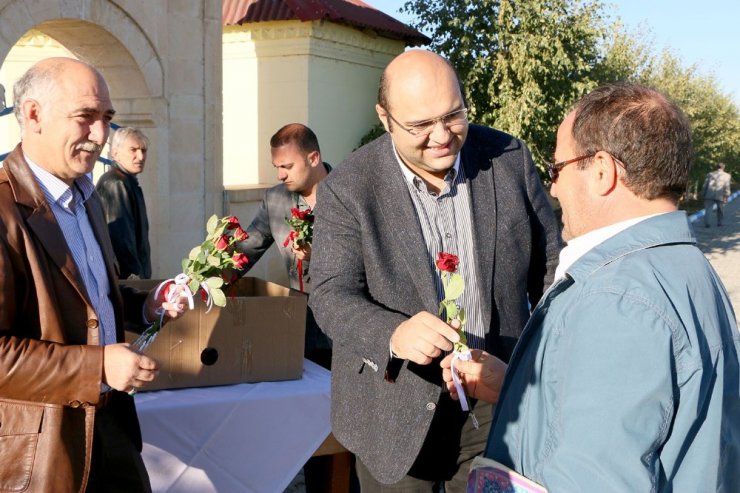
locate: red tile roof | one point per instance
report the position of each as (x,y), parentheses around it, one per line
(351,12)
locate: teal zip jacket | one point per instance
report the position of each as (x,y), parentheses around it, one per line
(626,377)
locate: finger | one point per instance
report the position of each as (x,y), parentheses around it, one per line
(147,363)
(442,329)
(446,362)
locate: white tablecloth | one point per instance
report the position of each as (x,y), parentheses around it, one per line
(235,438)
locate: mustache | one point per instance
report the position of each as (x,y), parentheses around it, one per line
(89,147)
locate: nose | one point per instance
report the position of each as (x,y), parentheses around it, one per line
(440,132)
(282,175)
(140,155)
(99,130)
(553,189)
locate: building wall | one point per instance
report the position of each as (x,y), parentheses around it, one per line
(322,74)
(162,61)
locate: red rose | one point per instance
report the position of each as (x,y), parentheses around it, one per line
(291,236)
(203,296)
(240,260)
(447,262)
(302,215)
(240,234)
(222,243)
(232,222)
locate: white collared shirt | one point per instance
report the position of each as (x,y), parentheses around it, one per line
(578,247)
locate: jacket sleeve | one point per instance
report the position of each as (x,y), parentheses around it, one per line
(119,216)
(35,370)
(340,296)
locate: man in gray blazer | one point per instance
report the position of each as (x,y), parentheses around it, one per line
(432,184)
(296,157)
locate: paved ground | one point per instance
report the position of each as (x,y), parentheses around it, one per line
(721,245)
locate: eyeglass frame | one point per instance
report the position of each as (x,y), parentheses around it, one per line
(553,169)
(432,121)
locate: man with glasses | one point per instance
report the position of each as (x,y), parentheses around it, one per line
(432,184)
(627,376)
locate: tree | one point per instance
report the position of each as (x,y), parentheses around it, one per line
(715,119)
(522,63)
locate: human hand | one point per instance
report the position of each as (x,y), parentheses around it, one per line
(172,309)
(422,338)
(126,370)
(482,376)
(302,252)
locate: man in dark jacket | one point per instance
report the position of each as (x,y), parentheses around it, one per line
(123,203)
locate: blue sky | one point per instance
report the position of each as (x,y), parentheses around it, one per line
(706,33)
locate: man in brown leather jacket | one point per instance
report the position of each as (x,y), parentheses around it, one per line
(66,421)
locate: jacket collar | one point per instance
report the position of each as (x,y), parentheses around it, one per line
(664,229)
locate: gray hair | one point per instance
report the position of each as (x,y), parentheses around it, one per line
(122,134)
(37,83)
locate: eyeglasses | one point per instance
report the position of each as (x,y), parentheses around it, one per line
(553,169)
(451,121)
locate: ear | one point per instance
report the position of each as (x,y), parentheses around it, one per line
(314,158)
(604,173)
(31,111)
(382,116)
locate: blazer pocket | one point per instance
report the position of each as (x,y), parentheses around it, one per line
(20,427)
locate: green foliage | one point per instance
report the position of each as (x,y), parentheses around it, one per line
(376,131)
(522,63)
(714,117)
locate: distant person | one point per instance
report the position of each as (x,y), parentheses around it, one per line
(67,421)
(123,203)
(296,157)
(627,376)
(716,191)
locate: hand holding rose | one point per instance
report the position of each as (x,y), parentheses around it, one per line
(482,376)
(422,338)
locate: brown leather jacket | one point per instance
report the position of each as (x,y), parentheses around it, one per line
(50,357)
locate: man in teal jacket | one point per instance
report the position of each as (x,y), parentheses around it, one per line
(626,376)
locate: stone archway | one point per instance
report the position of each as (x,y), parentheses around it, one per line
(107,37)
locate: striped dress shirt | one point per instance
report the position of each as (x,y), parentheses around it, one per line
(68,205)
(447,226)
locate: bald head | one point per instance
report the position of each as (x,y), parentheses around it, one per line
(41,81)
(416,70)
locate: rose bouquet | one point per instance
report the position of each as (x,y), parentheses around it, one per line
(301,234)
(209,268)
(453,286)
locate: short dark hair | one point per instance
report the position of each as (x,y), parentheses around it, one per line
(644,130)
(296,133)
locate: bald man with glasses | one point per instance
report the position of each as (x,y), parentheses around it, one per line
(434,183)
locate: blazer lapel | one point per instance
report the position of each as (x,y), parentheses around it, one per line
(482,188)
(401,222)
(41,220)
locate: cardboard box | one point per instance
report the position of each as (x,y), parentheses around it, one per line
(257,337)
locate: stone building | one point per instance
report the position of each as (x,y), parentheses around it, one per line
(209,81)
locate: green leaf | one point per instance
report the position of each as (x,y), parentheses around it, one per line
(213,260)
(193,286)
(454,287)
(194,253)
(218,296)
(214,282)
(451,311)
(211,224)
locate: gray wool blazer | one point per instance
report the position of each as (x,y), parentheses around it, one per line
(371,271)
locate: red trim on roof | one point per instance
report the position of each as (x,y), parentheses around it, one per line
(355,13)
